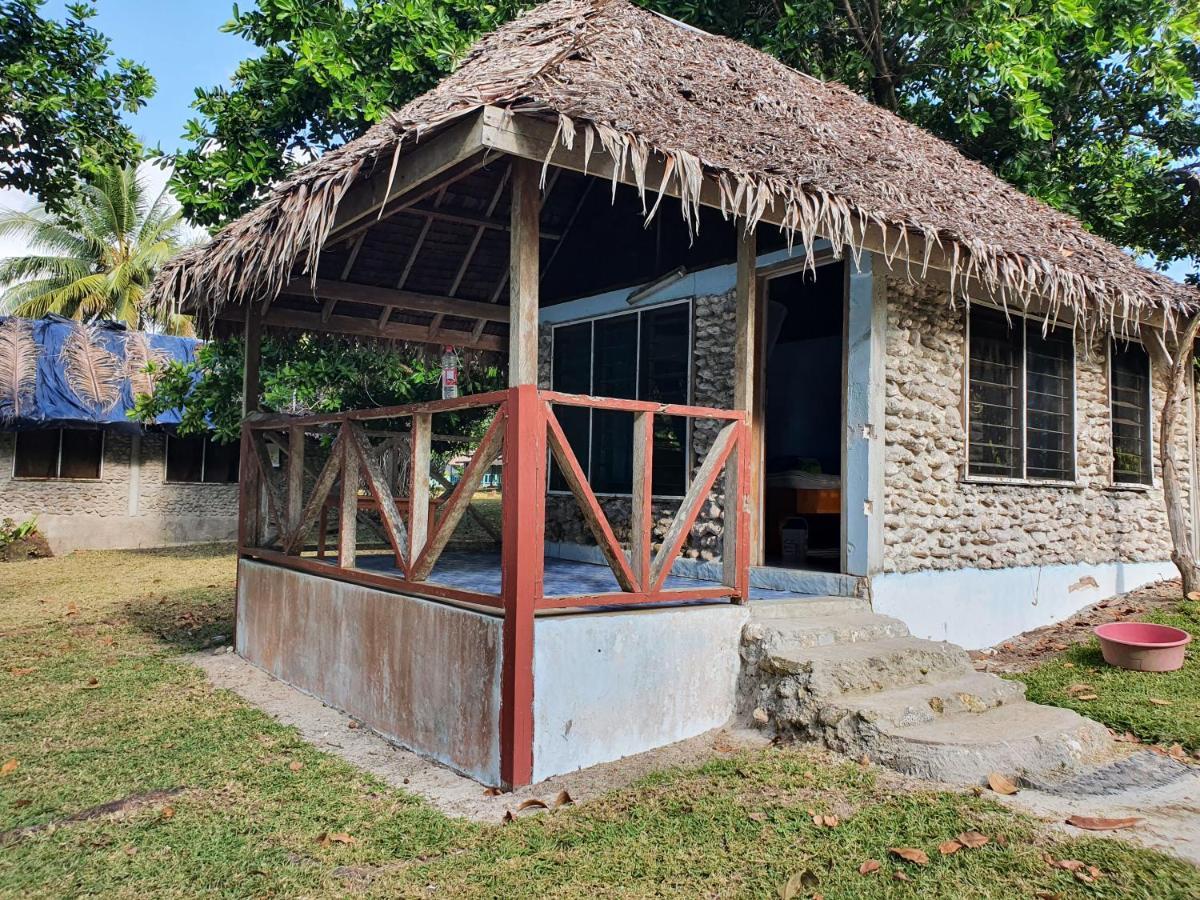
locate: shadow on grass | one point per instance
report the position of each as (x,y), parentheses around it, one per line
(192,615)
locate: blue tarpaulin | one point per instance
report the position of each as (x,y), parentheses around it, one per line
(69,357)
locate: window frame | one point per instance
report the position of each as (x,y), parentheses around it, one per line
(203,464)
(687,302)
(1149,482)
(58,461)
(1024,479)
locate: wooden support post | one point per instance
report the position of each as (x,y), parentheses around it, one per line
(295,478)
(249,518)
(251,379)
(348,520)
(524,247)
(418,492)
(743,507)
(523,517)
(641,518)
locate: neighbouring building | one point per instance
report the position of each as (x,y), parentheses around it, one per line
(766,342)
(71,458)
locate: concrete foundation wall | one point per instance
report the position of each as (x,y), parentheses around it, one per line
(131,505)
(977,608)
(610,685)
(423,674)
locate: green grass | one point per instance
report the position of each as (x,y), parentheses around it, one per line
(246,824)
(1123,698)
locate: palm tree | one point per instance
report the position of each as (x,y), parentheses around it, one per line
(95,259)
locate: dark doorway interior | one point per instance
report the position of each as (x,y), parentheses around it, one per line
(802,455)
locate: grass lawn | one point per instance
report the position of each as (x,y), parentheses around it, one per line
(1159,707)
(95,707)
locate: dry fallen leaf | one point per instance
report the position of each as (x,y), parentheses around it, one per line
(531,802)
(911,854)
(92,683)
(168,812)
(1079,688)
(1193,595)
(871,865)
(899,876)
(337,837)
(17,673)
(947,848)
(1094,823)
(563,799)
(1000,784)
(295,765)
(799,881)
(1176,751)
(10,766)
(1087,697)
(492,792)
(972,839)
(1157,702)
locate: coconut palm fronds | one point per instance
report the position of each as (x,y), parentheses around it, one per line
(95,375)
(143,364)
(18,367)
(98,257)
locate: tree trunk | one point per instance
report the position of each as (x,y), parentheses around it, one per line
(1178,367)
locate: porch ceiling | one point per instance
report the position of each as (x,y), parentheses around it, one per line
(435,267)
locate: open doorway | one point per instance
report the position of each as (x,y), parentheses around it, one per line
(802,418)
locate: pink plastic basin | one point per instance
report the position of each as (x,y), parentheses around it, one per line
(1142,646)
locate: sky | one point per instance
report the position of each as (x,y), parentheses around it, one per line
(180,41)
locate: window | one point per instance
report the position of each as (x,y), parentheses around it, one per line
(1129,385)
(1021,398)
(200,460)
(641,355)
(59,453)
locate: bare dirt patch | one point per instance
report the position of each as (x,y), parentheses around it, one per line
(1027,650)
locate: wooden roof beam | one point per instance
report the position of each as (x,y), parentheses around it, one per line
(370,295)
(311,321)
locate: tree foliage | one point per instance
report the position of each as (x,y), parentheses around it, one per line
(96,257)
(305,374)
(61,101)
(1088,104)
(326,72)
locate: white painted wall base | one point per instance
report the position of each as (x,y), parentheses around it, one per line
(980,607)
(613,684)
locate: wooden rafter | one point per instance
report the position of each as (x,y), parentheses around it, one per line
(372,295)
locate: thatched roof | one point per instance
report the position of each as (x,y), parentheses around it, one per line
(817,156)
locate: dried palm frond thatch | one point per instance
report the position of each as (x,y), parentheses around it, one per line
(775,143)
(94,374)
(139,358)
(18,367)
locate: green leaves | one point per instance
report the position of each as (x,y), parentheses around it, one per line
(61,100)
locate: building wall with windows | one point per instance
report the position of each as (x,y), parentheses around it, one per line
(124,499)
(947,506)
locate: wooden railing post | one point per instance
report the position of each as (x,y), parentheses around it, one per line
(523,517)
(641,517)
(735,547)
(418,491)
(249,494)
(348,521)
(295,479)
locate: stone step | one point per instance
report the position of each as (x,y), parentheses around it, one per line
(866,667)
(824,630)
(1014,739)
(800,608)
(902,707)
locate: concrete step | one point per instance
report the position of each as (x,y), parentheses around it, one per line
(800,608)
(1015,739)
(967,696)
(868,666)
(824,630)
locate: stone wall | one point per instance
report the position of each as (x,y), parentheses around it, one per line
(712,385)
(934,518)
(110,513)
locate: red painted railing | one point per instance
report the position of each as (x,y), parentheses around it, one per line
(364,455)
